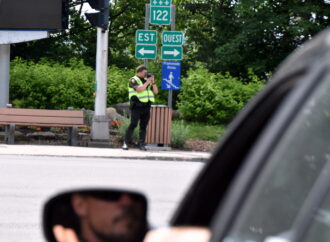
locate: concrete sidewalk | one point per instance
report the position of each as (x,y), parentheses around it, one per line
(69,151)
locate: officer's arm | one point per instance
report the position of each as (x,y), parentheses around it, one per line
(154,86)
(143,87)
(155,89)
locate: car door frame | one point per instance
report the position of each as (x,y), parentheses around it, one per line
(223,167)
(258,156)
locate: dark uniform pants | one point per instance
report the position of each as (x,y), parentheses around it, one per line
(141,114)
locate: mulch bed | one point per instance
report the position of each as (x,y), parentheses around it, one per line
(191,145)
(200,145)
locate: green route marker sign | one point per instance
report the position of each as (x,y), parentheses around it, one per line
(160,12)
(172,38)
(172,52)
(146,37)
(146,51)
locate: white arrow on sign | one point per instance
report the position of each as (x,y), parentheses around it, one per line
(143,51)
(175,53)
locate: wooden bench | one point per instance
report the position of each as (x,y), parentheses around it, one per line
(12,117)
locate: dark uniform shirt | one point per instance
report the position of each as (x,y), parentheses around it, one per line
(133,84)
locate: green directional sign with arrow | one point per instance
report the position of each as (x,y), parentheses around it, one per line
(146,51)
(172,52)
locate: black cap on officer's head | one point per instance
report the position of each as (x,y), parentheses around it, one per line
(141,68)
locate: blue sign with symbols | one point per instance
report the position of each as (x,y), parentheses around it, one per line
(171,75)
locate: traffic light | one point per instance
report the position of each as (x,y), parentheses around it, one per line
(65,14)
(100,18)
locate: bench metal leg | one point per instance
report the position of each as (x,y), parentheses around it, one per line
(10,134)
(73,136)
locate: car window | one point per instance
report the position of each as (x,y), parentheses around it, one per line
(289,173)
(320,228)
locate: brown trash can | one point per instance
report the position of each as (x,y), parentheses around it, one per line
(160,126)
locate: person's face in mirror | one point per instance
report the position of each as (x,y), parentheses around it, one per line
(102,220)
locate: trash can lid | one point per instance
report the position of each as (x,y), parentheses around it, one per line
(159,106)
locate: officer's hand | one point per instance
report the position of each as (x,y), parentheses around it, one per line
(149,80)
(152,79)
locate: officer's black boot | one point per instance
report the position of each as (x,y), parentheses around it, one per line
(142,146)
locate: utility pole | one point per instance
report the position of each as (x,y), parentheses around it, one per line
(100,128)
(100,20)
(4,74)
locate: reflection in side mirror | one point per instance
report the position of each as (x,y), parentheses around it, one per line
(96,216)
(276,239)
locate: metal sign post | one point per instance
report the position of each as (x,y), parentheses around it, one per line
(170,92)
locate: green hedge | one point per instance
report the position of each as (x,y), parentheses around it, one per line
(204,97)
(117,85)
(214,98)
(51,86)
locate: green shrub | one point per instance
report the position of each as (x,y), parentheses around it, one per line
(51,86)
(122,130)
(179,134)
(117,85)
(214,98)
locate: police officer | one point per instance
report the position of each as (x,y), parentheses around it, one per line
(142,90)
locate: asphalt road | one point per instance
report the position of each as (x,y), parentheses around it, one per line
(26,182)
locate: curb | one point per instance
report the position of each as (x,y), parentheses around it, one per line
(153,158)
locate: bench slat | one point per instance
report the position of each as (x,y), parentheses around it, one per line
(41,112)
(44,125)
(41,120)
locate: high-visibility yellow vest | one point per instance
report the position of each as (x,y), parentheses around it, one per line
(145,96)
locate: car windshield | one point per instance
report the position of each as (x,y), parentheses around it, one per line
(289,174)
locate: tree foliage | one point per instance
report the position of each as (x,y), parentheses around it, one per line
(50,85)
(228,36)
(234,36)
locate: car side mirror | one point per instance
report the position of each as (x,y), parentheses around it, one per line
(96,215)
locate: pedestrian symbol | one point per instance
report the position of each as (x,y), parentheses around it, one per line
(169,82)
(171,75)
